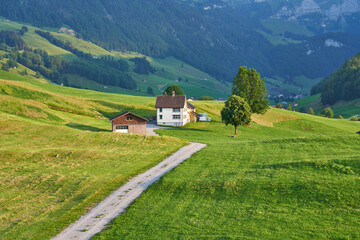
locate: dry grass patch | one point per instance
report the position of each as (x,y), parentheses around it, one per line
(271,117)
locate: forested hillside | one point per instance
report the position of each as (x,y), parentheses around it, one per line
(209,35)
(343,84)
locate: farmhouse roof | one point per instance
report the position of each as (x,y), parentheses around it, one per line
(190,105)
(166,101)
(127,113)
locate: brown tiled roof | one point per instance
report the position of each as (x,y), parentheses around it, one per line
(170,101)
(126,113)
(190,105)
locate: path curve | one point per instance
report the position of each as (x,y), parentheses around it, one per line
(150,127)
(96,219)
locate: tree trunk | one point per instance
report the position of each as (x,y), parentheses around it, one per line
(235,131)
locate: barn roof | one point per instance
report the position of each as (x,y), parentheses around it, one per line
(127,113)
(166,101)
(190,105)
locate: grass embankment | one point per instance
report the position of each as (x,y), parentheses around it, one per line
(296,180)
(58,156)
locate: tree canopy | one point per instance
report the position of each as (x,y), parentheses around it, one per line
(236,112)
(175,88)
(328,112)
(248,85)
(343,84)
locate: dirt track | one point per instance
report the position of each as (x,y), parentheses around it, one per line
(96,219)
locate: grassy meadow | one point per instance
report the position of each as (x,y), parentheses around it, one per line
(58,156)
(298,179)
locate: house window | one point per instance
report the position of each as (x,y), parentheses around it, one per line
(122,127)
(176,117)
(160,116)
(176,109)
(129,118)
(160,109)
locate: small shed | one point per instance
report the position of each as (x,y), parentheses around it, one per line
(128,122)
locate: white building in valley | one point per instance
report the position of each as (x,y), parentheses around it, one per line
(173,110)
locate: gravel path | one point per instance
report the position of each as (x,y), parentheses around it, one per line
(96,219)
(151,127)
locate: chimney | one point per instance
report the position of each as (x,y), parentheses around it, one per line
(173,93)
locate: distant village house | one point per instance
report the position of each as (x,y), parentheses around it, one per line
(129,122)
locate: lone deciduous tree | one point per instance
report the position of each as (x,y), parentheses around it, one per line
(175,88)
(248,85)
(328,112)
(236,112)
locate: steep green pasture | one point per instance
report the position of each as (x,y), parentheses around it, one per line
(346,109)
(173,68)
(58,156)
(280,27)
(296,180)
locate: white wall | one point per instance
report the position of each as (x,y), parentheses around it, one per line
(167,117)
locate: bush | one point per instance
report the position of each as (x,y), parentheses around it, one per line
(206,98)
(5,67)
(328,112)
(354,118)
(311,111)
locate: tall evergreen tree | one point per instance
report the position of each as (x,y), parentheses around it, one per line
(248,85)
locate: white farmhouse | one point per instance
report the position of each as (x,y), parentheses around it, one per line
(173,110)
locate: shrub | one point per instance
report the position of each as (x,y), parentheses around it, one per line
(206,98)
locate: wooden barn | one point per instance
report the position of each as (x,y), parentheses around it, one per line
(129,122)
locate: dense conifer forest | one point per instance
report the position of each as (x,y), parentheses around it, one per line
(343,84)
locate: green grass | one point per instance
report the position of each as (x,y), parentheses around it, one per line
(346,109)
(296,180)
(277,39)
(280,27)
(58,156)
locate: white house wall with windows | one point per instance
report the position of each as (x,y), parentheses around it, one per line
(172,110)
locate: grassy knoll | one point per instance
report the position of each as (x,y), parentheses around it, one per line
(296,180)
(58,156)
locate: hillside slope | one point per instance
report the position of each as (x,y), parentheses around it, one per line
(58,156)
(167,71)
(343,84)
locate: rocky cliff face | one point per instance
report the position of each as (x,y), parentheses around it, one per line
(327,11)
